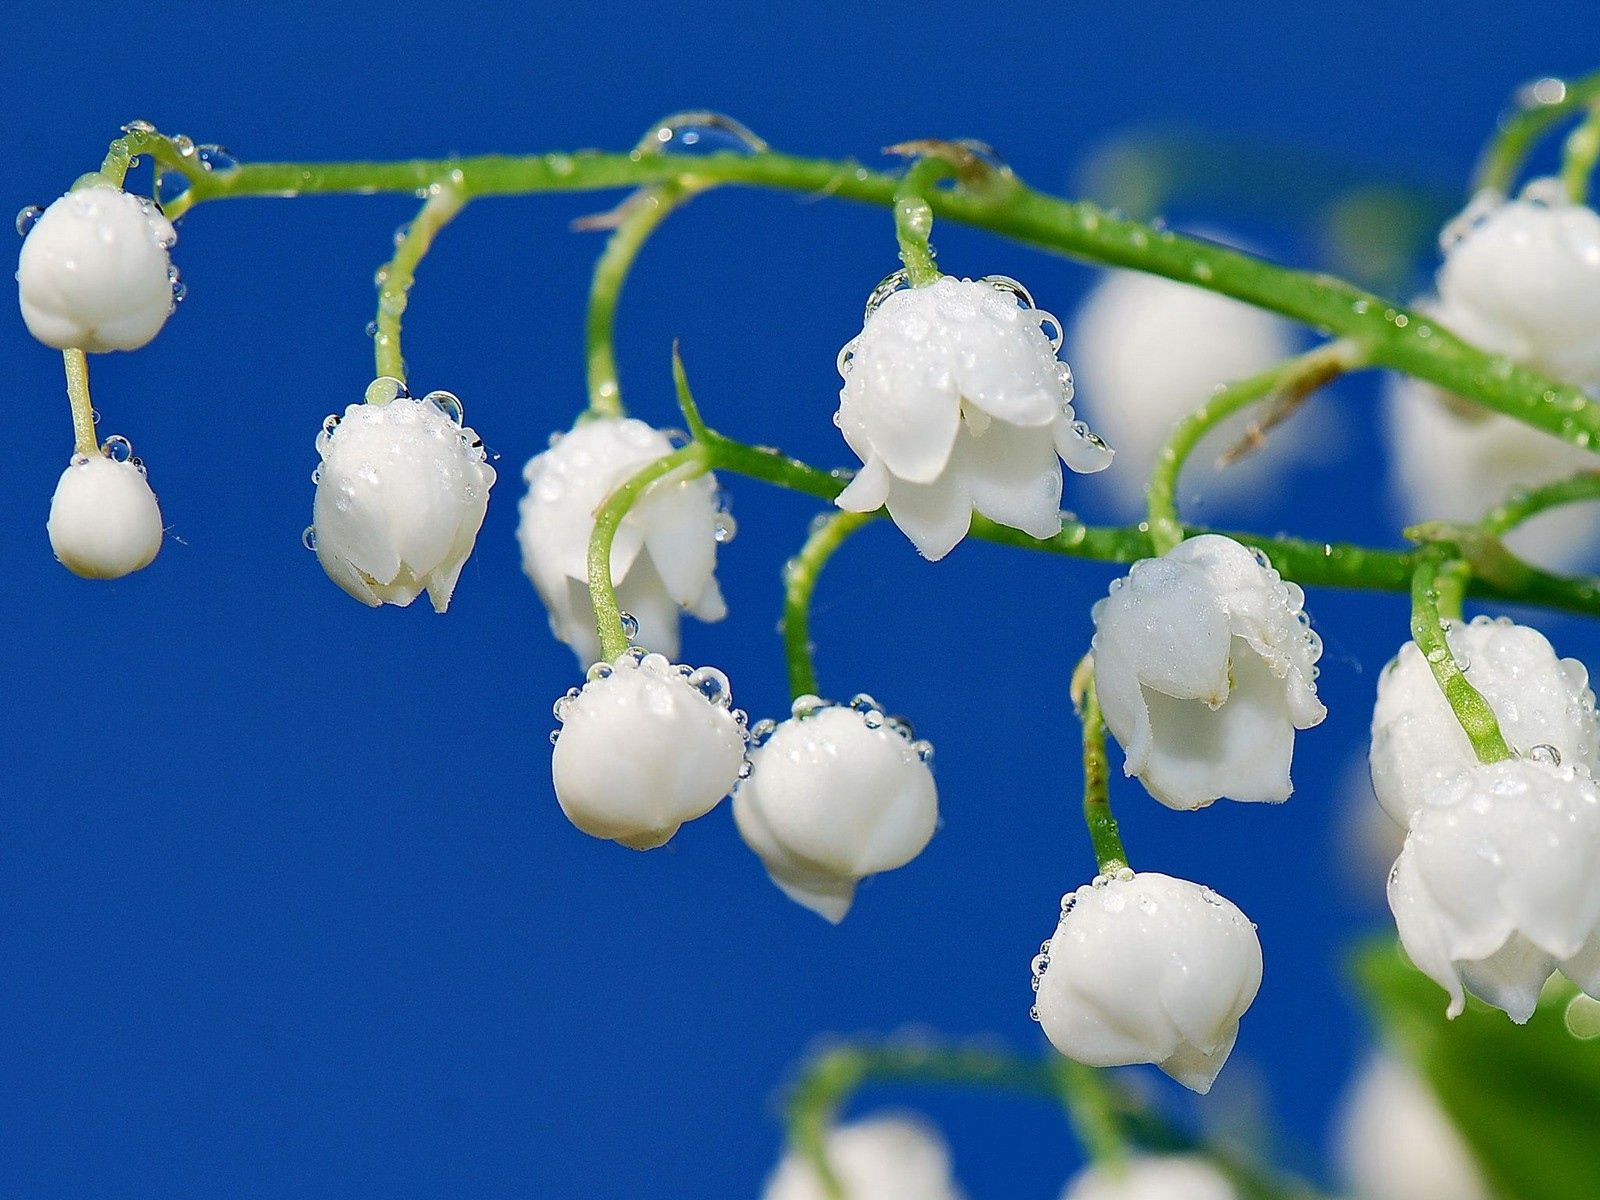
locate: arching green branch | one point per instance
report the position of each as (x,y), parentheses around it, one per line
(800,576)
(396,276)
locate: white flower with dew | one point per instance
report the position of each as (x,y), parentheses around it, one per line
(1205,665)
(955,402)
(104,520)
(1146,351)
(1537,698)
(663,557)
(644,746)
(880,1158)
(1498,885)
(1394,1142)
(1173,1177)
(1145,968)
(401,494)
(835,793)
(95,272)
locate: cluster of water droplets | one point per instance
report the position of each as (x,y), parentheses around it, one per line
(172,183)
(1041,961)
(118,449)
(873,715)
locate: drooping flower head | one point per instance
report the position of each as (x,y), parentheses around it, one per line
(1205,666)
(1538,700)
(644,746)
(881,1158)
(1145,968)
(955,402)
(1171,1177)
(664,555)
(104,520)
(95,273)
(1499,883)
(1394,1142)
(401,493)
(835,793)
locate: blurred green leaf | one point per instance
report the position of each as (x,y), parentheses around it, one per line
(1526,1098)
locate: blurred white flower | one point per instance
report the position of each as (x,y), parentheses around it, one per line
(663,558)
(95,273)
(1145,968)
(955,402)
(1538,700)
(401,493)
(882,1158)
(1175,1177)
(1146,351)
(644,746)
(1499,883)
(1394,1142)
(1205,665)
(104,521)
(834,794)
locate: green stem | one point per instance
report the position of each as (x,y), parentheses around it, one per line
(913,219)
(84,439)
(687,463)
(1579,154)
(1390,335)
(1104,836)
(1536,112)
(395,278)
(1298,376)
(640,216)
(1525,505)
(800,576)
(1431,587)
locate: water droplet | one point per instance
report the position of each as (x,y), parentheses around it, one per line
(215,158)
(316,474)
(449,404)
(28,218)
(1582,1017)
(1545,753)
(724,528)
(138,127)
(700,132)
(308,537)
(384,389)
(924,751)
(117,448)
(402,233)
(600,670)
(745,767)
(761,731)
(713,685)
(807,704)
(887,286)
(630,625)
(1011,287)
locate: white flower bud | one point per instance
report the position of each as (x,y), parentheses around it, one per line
(1146,351)
(95,273)
(1538,700)
(104,521)
(401,494)
(1145,968)
(1394,1142)
(1499,884)
(1205,666)
(1176,1177)
(644,746)
(664,555)
(955,402)
(1522,278)
(835,794)
(883,1158)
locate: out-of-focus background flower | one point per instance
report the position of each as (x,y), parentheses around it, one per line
(289,908)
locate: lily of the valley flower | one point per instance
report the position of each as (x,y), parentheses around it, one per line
(1394,1142)
(1499,883)
(104,521)
(882,1158)
(955,402)
(834,794)
(1176,1177)
(663,558)
(401,493)
(644,746)
(95,273)
(1205,666)
(1145,968)
(1538,699)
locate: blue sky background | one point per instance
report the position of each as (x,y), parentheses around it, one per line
(289,909)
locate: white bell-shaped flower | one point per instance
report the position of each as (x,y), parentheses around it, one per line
(1522,278)
(1206,665)
(1499,883)
(1146,351)
(1145,968)
(1394,1142)
(1453,460)
(834,794)
(1174,1177)
(644,746)
(95,273)
(104,521)
(881,1158)
(663,558)
(401,493)
(955,402)
(1538,700)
